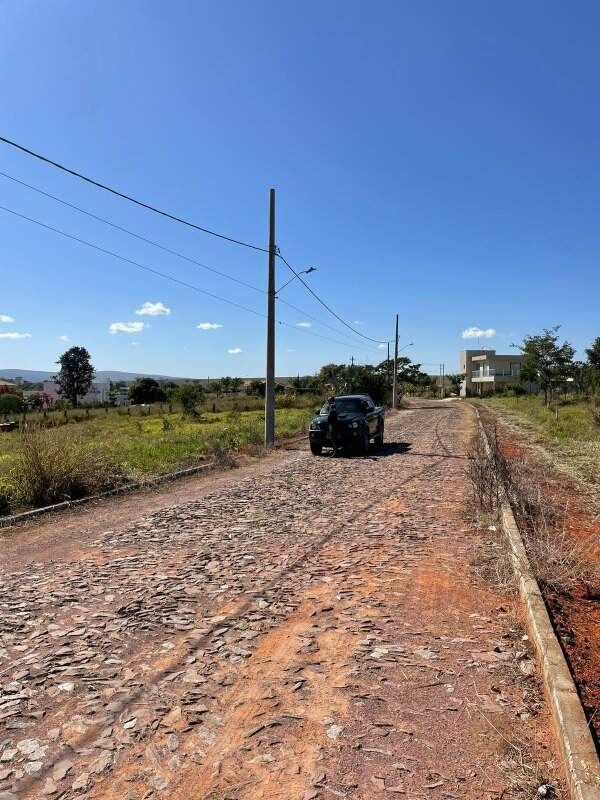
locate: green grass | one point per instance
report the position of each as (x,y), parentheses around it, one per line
(576,419)
(145,446)
(571,442)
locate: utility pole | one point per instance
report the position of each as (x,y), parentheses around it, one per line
(270,375)
(395,366)
(387,365)
(443,381)
(352,360)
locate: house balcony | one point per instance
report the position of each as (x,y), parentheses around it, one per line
(492,374)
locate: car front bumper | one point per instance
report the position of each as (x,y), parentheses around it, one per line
(344,438)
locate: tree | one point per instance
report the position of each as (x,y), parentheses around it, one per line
(593,362)
(334,376)
(76,374)
(146,390)
(256,387)
(593,354)
(35,402)
(547,362)
(189,394)
(455,379)
(10,403)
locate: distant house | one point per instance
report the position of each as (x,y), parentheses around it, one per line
(485,371)
(121,398)
(9,388)
(98,393)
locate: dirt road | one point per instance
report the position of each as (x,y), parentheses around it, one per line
(309,629)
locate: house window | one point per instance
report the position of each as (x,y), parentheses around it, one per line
(515,369)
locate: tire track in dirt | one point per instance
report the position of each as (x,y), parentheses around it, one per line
(215,645)
(225,615)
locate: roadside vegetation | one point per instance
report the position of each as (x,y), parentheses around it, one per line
(53,449)
(558,559)
(66,456)
(562,410)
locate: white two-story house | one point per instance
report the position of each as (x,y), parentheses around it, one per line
(486,370)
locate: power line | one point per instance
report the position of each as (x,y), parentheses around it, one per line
(324,324)
(164,275)
(131,233)
(324,304)
(128,197)
(175,218)
(162,247)
(129,260)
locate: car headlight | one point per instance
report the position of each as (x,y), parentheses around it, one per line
(314,425)
(353,424)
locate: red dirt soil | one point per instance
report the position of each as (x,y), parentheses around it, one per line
(575,617)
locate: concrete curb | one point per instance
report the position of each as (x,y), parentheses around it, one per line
(575,739)
(16,519)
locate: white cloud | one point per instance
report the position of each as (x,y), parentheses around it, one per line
(64,338)
(15,336)
(382,346)
(127,327)
(304,324)
(153,310)
(234,351)
(357,322)
(6,318)
(478,333)
(209,326)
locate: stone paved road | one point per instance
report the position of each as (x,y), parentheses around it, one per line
(311,631)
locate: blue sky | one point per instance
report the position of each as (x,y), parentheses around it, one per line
(435,159)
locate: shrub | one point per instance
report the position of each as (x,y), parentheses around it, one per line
(5,499)
(53,466)
(285,401)
(558,559)
(11,404)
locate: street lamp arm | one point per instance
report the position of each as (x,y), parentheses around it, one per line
(293,278)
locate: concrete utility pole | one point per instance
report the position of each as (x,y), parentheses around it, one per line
(270,374)
(443,381)
(395,378)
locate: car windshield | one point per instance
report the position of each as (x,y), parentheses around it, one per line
(346,405)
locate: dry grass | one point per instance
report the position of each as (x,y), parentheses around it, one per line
(558,559)
(51,468)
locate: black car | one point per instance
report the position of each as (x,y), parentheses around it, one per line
(358,421)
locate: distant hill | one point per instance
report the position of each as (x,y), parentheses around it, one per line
(34,375)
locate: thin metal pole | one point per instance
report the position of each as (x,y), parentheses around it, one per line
(443,381)
(395,378)
(270,374)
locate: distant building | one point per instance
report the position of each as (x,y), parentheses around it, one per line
(98,393)
(9,388)
(121,398)
(486,370)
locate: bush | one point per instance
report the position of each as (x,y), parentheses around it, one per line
(5,499)
(285,401)
(52,467)
(11,404)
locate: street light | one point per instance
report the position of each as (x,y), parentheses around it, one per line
(297,275)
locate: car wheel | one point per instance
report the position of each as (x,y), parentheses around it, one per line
(362,446)
(379,436)
(316,449)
